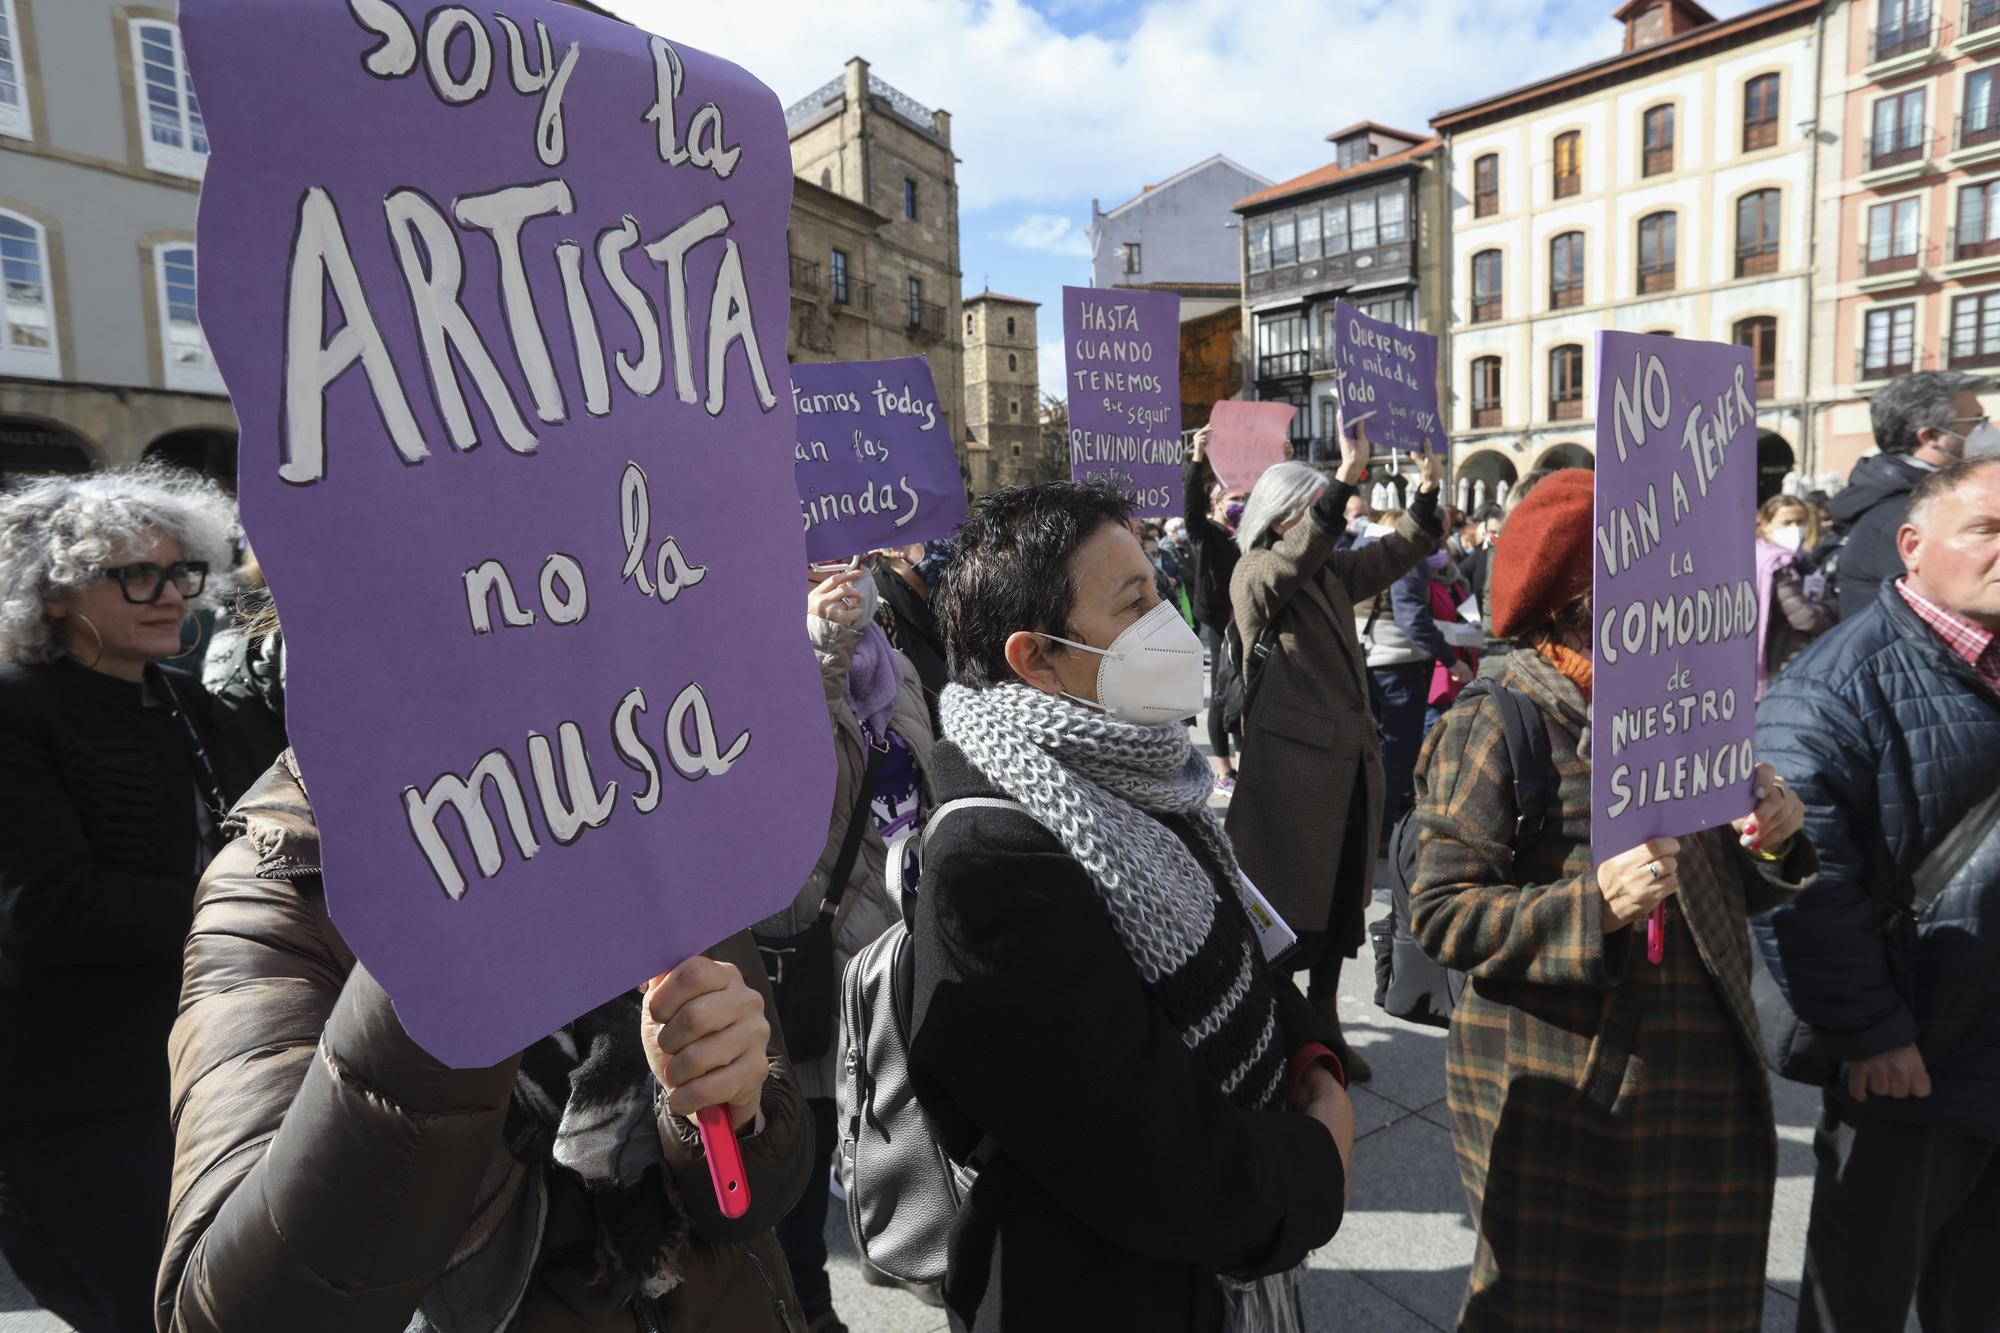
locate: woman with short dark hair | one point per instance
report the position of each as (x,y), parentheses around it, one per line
(1165,1122)
(112,805)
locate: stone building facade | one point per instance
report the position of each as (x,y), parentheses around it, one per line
(875,260)
(102,150)
(1003,391)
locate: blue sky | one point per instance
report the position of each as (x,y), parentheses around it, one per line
(1056,101)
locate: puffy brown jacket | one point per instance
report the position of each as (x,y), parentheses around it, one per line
(325,1167)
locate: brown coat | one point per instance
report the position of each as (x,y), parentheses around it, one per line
(865,910)
(326,1169)
(1613,1119)
(1312,755)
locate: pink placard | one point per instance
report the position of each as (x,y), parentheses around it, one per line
(1244,439)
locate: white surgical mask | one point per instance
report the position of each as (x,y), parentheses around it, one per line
(1984,440)
(1792,538)
(1151,673)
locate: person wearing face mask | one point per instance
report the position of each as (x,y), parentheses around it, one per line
(1308,813)
(1790,613)
(112,805)
(1212,512)
(1405,646)
(882,742)
(1169,1130)
(1923,421)
(904,578)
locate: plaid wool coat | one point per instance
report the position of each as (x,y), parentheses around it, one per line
(1613,1119)
(1311,747)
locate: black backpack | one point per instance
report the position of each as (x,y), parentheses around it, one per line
(1408,984)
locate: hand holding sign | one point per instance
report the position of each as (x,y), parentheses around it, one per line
(1636,882)
(706,1038)
(1779,814)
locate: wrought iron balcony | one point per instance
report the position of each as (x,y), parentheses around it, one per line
(805,275)
(1917,32)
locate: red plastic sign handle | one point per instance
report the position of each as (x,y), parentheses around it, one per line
(725,1160)
(1656,934)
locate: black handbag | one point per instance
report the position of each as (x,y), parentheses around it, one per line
(801,966)
(1797,1050)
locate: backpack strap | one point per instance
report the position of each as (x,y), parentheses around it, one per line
(1528,754)
(895,876)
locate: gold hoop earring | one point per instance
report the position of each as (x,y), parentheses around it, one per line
(94,633)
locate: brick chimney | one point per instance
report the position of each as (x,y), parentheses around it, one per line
(1650,22)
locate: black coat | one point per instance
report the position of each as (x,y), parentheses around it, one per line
(1872,507)
(916,635)
(1214,548)
(101,850)
(1890,738)
(1125,1179)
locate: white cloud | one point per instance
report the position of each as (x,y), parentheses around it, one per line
(1051,233)
(1051,369)
(1041,117)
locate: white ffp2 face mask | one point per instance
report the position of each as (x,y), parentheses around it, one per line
(1792,537)
(1151,673)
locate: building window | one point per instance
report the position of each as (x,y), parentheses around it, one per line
(1361,223)
(1892,237)
(1757,233)
(1260,246)
(914,295)
(1486,186)
(1010,326)
(27,314)
(170,118)
(1013,362)
(1486,283)
(1392,212)
(968,323)
(1013,407)
(1569,164)
(1978,230)
(1334,219)
(1906,27)
(909,198)
(1975,330)
(1485,392)
(1899,130)
(1566,271)
(1281,345)
(1309,235)
(1888,345)
(1760,112)
(1760,335)
(188,364)
(842,293)
(13,96)
(1980,122)
(1659,127)
(1657,250)
(1979,16)
(1131,251)
(1398,310)
(1284,242)
(1566,383)
(1353,152)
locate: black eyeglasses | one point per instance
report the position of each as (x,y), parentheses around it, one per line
(143,583)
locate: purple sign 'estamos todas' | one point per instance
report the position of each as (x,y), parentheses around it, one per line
(1123,353)
(501,302)
(875,462)
(1674,589)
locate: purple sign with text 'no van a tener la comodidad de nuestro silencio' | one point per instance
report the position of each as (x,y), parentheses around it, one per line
(501,302)
(1123,353)
(1674,590)
(875,461)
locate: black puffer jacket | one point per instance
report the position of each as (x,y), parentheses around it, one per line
(1872,509)
(1890,739)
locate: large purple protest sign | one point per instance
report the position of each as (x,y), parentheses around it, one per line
(501,301)
(1674,589)
(1123,350)
(1389,379)
(875,463)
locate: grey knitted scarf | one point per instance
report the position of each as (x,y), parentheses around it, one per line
(1096,781)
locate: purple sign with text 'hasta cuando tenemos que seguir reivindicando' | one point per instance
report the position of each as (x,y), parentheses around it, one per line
(501,301)
(1123,355)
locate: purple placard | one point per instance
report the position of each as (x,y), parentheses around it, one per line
(1674,589)
(1389,378)
(875,464)
(527,509)
(1124,367)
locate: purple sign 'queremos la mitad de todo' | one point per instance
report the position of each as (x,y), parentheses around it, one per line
(501,301)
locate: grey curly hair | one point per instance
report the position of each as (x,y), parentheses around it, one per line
(58,533)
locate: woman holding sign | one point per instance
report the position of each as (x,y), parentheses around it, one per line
(112,804)
(1308,806)
(1612,1115)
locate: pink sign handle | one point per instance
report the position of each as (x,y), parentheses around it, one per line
(725,1160)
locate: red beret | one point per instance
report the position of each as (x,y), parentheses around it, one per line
(1544,558)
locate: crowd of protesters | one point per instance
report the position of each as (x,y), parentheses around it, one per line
(1151,1112)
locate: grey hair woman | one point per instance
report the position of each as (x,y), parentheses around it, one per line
(1278,500)
(113,804)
